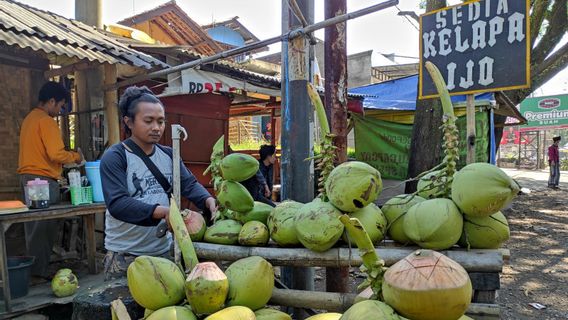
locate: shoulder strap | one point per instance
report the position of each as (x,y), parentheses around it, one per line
(134,148)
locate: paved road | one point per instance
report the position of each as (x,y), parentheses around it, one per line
(536,180)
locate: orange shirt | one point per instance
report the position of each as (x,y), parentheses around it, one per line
(41,148)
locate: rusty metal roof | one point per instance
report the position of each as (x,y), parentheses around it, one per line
(28,27)
(177,25)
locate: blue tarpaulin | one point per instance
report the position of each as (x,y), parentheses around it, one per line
(400,94)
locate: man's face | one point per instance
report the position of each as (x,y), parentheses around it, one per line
(149,122)
(54,107)
(557,142)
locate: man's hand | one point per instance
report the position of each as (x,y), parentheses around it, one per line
(162,212)
(211,204)
(266,191)
(552,163)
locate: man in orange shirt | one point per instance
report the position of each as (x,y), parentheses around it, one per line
(42,154)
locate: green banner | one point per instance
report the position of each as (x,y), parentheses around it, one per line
(549,112)
(386,145)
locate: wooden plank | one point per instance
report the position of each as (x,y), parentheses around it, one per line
(111,104)
(340,302)
(69,69)
(54,212)
(472,261)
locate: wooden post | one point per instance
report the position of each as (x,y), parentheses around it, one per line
(336,279)
(470,109)
(111,105)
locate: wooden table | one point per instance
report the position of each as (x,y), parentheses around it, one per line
(54,212)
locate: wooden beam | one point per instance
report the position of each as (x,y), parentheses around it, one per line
(81,65)
(339,302)
(472,261)
(111,105)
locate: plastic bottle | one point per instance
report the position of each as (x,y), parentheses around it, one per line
(74,178)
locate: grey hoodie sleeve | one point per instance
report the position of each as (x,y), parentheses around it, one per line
(115,189)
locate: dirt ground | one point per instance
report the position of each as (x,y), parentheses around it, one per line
(538,269)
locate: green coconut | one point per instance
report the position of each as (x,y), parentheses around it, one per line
(251,281)
(318,226)
(465,318)
(431,186)
(155,283)
(395,210)
(254,233)
(223,232)
(281,223)
(482,189)
(427,285)
(196,225)
(206,288)
(64,283)
(271,314)
(234,196)
(434,224)
(233,313)
(353,185)
(370,309)
(485,232)
(238,167)
(374,222)
(260,212)
(325,316)
(172,313)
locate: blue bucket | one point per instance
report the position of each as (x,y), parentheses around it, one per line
(94,175)
(19,274)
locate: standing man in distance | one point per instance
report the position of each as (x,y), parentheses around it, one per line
(554,162)
(42,155)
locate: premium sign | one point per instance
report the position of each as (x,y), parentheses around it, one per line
(550,112)
(478,46)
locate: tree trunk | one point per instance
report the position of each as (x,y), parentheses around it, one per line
(426,145)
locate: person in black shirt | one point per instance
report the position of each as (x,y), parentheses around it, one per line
(260,185)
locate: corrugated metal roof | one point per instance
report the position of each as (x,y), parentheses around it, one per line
(40,30)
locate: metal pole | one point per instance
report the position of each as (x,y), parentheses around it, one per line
(260,44)
(177,131)
(297,173)
(336,103)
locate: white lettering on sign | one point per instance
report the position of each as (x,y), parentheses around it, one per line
(516,21)
(486,71)
(502,7)
(549,115)
(429,48)
(474,11)
(440,19)
(485,78)
(461,46)
(451,75)
(495,28)
(473,29)
(445,47)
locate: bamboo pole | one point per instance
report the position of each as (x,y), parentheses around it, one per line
(339,302)
(475,260)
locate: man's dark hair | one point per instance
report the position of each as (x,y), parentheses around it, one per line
(53,90)
(556,138)
(266,150)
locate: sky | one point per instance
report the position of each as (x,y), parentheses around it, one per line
(384,32)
